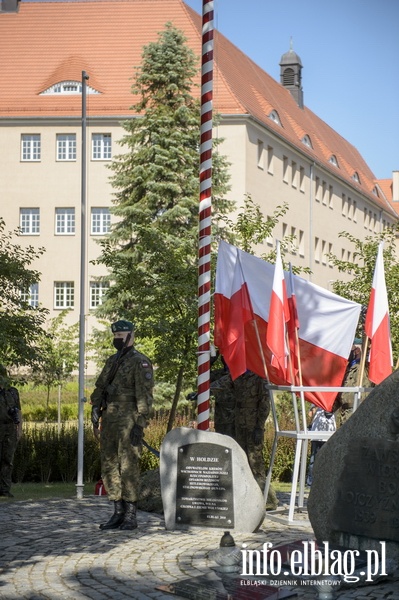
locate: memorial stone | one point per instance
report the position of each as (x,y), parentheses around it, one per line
(354,497)
(206,481)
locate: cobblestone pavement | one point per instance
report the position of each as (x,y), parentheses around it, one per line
(53,549)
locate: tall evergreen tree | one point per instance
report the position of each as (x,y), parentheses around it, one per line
(152,249)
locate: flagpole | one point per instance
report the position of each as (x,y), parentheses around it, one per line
(204,241)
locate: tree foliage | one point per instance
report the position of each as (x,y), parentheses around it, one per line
(20,324)
(151,252)
(361,271)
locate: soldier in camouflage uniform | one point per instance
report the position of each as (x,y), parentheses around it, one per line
(252,410)
(225,402)
(122,400)
(10,430)
(345,400)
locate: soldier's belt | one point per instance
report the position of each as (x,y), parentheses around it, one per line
(121,398)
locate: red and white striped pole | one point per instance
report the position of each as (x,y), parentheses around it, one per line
(205,209)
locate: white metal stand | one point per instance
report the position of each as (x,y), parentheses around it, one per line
(302,436)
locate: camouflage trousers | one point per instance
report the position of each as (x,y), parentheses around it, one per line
(254,454)
(8,445)
(120,461)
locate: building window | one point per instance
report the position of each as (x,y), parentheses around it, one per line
(294,174)
(301,179)
(30,147)
(318,189)
(270,154)
(317,249)
(285,169)
(274,117)
(344,205)
(64,294)
(97,293)
(31,295)
(261,155)
(307,141)
(330,197)
(301,243)
(100,221)
(101,144)
(64,221)
(333,160)
(354,211)
(29,221)
(66,146)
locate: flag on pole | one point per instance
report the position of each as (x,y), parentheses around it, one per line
(293,325)
(236,310)
(279,315)
(327,323)
(377,326)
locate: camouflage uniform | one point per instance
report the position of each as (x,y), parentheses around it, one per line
(9,399)
(129,402)
(346,399)
(252,410)
(225,402)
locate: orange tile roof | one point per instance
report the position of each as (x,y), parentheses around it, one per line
(47,42)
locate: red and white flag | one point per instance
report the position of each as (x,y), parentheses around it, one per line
(377,326)
(279,315)
(327,324)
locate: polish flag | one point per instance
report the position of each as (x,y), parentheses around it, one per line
(293,325)
(327,324)
(377,326)
(279,315)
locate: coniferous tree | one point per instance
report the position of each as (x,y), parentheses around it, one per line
(152,250)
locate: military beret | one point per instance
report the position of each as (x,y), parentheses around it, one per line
(122,326)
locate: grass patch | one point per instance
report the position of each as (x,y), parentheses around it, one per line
(45,491)
(50,491)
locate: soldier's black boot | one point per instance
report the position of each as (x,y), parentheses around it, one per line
(130,519)
(117,517)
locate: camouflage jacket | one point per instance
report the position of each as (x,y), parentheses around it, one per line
(132,384)
(9,399)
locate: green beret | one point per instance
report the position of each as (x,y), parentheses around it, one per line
(122,326)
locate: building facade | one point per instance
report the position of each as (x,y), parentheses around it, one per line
(280,152)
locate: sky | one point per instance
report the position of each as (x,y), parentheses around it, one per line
(349,51)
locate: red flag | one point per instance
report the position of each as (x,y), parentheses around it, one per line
(377,326)
(293,324)
(327,323)
(237,311)
(279,315)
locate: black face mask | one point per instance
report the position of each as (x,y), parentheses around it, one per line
(118,343)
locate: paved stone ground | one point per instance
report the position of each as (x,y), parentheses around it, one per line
(53,549)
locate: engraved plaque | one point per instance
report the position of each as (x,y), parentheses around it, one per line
(204,486)
(367,501)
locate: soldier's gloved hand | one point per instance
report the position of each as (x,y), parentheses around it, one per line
(257,435)
(192,396)
(136,435)
(95,417)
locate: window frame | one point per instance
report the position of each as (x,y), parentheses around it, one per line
(64,290)
(70,147)
(31,147)
(67,221)
(104,220)
(27,214)
(99,149)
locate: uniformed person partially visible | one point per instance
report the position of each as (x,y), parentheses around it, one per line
(10,430)
(121,407)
